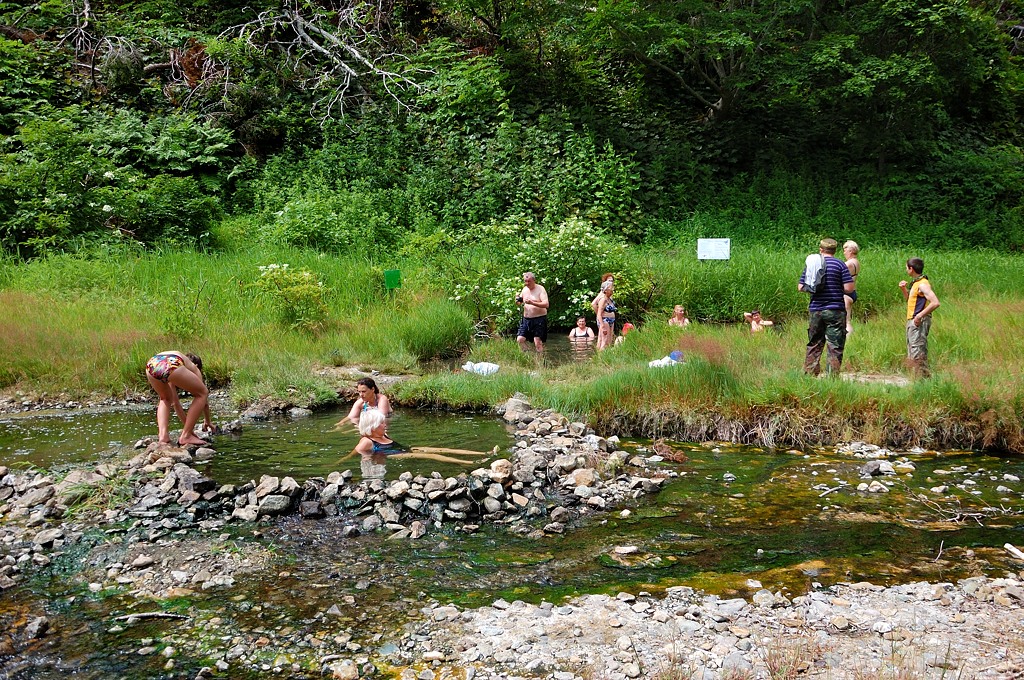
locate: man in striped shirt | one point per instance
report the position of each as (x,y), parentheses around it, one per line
(827,327)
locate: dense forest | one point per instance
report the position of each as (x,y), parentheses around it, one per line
(341,125)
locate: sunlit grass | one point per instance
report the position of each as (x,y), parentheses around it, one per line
(81,324)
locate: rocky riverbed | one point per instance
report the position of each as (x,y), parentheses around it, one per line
(969,629)
(190,576)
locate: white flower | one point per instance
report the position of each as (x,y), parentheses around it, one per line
(107,208)
(108,175)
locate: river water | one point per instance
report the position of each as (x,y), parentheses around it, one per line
(730,516)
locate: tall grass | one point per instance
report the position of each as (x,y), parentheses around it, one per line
(88,323)
(79,324)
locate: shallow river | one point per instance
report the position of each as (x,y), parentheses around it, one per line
(732,515)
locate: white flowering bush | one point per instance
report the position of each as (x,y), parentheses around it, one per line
(298,295)
(568,260)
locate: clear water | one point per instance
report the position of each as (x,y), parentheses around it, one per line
(300,448)
(776,521)
(311,447)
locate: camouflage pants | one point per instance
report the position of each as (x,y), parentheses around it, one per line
(827,328)
(917,345)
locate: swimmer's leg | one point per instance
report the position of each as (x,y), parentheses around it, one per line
(455,452)
(416,453)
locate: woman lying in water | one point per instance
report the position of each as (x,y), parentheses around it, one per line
(375,445)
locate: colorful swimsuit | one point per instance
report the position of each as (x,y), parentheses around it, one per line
(610,308)
(389,448)
(162,365)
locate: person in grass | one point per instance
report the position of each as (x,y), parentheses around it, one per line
(369,397)
(827,310)
(678,317)
(167,372)
(534,301)
(921,302)
(757,324)
(375,446)
(606,316)
(850,251)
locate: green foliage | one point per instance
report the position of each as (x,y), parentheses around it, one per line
(84,176)
(298,295)
(333,222)
(27,82)
(488,261)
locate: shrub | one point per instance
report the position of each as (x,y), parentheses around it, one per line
(298,295)
(568,260)
(333,222)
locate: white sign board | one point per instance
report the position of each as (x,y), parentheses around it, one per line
(712,249)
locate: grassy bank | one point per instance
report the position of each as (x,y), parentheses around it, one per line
(84,324)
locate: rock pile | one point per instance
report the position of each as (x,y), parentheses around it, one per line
(558,471)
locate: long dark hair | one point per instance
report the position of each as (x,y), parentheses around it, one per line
(368,382)
(194,358)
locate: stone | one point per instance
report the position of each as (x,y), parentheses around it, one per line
(344,670)
(268,485)
(397,490)
(46,537)
(246,514)
(204,454)
(311,510)
(37,627)
(289,487)
(35,497)
(274,505)
(583,477)
(500,470)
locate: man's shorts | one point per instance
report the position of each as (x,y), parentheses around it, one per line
(537,327)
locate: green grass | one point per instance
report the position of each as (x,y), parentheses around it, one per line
(79,324)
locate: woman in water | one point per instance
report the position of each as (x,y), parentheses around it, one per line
(678,317)
(369,398)
(167,372)
(375,446)
(582,333)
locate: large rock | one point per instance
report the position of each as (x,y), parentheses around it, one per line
(35,497)
(274,504)
(582,477)
(268,485)
(46,537)
(78,485)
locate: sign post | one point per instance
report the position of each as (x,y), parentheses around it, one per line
(392,279)
(713,249)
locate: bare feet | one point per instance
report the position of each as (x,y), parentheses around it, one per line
(192,440)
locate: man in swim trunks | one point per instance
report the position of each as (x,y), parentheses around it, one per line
(534,325)
(167,372)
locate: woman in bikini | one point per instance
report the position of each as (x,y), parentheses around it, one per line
(606,316)
(370,397)
(167,372)
(375,446)
(851,250)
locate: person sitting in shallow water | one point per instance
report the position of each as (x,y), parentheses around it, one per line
(370,397)
(375,446)
(582,332)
